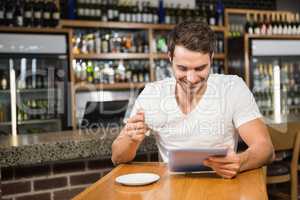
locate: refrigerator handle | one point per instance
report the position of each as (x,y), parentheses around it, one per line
(12,80)
(276,93)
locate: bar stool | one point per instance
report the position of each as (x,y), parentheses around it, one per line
(285,138)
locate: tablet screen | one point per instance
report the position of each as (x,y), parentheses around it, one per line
(191,160)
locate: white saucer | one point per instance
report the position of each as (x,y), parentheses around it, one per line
(137,179)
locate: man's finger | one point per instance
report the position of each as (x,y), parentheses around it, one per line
(137,125)
(139,117)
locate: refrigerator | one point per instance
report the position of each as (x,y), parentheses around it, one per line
(275,76)
(34,83)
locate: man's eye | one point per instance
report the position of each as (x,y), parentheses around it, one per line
(181,68)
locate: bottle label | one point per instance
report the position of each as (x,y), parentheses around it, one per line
(134,18)
(80,12)
(139,17)
(46,15)
(128,17)
(20,20)
(122,17)
(37,15)
(56,15)
(9,15)
(86,12)
(212,21)
(110,14)
(1,14)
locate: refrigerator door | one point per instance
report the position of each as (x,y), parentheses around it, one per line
(5,98)
(275,77)
(39,68)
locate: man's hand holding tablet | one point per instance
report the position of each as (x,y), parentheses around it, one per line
(227,166)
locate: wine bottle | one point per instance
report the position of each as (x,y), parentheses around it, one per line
(37,13)
(18,16)
(256,24)
(2,12)
(55,17)
(220,13)
(249,24)
(211,15)
(28,13)
(47,14)
(263,26)
(9,13)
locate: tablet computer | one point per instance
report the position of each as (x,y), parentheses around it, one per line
(191,160)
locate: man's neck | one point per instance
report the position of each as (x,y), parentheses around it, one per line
(187,101)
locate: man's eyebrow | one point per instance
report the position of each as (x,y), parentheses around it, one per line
(201,66)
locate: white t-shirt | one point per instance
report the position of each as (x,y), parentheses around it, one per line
(226,104)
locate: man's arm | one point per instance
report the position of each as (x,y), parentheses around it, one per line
(260,148)
(126,144)
(260,151)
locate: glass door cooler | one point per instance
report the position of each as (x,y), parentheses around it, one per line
(34,89)
(275,76)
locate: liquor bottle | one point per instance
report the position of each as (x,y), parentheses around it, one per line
(98,42)
(9,21)
(122,11)
(104,11)
(249,24)
(220,13)
(55,17)
(90,72)
(28,13)
(139,15)
(179,13)
(127,9)
(188,13)
(285,25)
(47,14)
(274,24)
(297,23)
(37,13)
(135,11)
(2,12)
(269,25)
(263,25)
(211,15)
(105,43)
(144,12)
(280,24)
(256,24)
(293,24)
(204,14)
(110,11)
(18,16)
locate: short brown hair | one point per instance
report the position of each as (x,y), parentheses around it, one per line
(195,36)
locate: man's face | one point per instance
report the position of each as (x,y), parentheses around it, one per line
(191,69)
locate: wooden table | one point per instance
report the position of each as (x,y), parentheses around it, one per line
(246,186)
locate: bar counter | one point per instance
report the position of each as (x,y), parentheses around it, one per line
(61,146)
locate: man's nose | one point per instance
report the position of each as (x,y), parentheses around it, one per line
(191,76)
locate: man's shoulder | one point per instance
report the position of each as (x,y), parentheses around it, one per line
(162,84)
(224,79)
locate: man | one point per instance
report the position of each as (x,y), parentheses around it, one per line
(197,109)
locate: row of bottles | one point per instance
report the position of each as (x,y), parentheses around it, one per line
(133,71)
(29,13)
(263,88)
(147,12)
(273,24)
(34,109)
(110,42)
